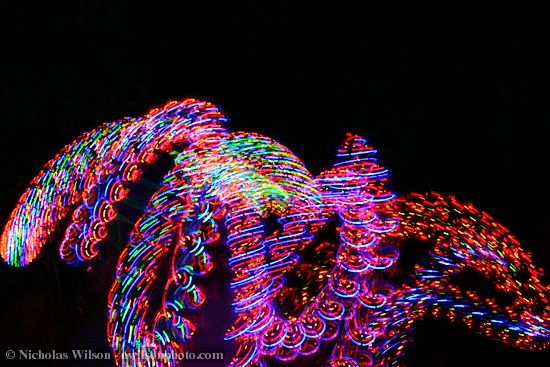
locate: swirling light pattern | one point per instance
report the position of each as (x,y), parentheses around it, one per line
(247,192)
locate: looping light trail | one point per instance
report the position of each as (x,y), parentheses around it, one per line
(252,195)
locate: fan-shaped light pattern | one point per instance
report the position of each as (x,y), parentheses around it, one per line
(252,195)
(88,177)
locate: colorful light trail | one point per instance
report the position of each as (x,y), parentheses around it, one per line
(256,198)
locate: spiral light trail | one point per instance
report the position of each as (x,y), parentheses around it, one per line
(255,197)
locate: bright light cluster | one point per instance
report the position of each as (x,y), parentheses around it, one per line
(296,297)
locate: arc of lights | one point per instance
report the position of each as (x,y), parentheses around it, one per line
(232,183)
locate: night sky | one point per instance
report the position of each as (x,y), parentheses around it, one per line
(455,98)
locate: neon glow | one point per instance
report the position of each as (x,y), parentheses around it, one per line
(256,198)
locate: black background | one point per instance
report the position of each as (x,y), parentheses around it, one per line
(454,96)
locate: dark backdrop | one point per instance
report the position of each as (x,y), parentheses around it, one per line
(454,96)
